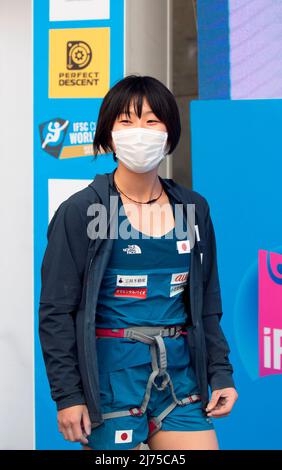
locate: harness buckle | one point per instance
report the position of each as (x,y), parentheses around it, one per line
(172,330)
(135,411)
(181,403)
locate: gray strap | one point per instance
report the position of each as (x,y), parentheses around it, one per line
(162,354)
(157,419)
(186,401)
(147,331)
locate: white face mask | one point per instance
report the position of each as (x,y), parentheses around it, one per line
(140,149)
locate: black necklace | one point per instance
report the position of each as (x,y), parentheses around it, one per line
(138,202)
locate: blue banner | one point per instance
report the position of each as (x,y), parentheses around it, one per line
(237,166)
(78,56)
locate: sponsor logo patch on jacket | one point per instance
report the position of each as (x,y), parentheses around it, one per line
(183,246)
(123,436)
(132,281)
(139,293)
(178,278)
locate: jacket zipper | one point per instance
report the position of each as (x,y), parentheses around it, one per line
(85,330)
(86,334)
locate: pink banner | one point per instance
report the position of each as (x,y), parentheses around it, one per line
(270,313)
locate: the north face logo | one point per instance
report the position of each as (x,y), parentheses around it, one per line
(132,250)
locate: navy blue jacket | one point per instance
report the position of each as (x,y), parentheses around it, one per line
(71,273)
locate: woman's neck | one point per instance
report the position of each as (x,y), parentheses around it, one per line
(139,186)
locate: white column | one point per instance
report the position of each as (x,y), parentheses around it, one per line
(16,234)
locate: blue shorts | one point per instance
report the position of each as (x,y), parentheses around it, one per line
(124,369)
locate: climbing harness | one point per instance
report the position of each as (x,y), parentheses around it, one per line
(154,337)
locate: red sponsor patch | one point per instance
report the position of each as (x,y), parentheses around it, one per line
(181,277)
(139,293)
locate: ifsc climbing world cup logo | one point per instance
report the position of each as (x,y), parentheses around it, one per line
(52,135)
(270,313)
(79,55)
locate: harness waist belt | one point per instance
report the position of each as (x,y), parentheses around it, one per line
(130,332)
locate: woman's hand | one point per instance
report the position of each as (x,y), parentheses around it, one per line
(74,423)
(221,402)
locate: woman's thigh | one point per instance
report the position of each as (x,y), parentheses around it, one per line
(184,440)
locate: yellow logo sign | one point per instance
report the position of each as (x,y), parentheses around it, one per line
(79,63)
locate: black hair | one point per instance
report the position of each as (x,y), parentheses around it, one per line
(118,99)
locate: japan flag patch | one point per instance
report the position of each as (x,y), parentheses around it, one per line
(183,246)
(123,436)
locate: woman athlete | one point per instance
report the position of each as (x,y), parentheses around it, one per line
(148,386)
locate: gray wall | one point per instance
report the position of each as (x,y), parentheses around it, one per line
(148,43)
(16,234)
(185,81)
(161,40)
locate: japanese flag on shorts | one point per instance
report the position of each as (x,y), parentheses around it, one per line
(123,436)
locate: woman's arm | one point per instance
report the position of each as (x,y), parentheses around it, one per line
(61,287)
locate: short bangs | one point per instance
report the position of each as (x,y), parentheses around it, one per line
(118,100)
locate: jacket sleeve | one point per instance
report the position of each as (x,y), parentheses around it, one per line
(219,368)
(61,288)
